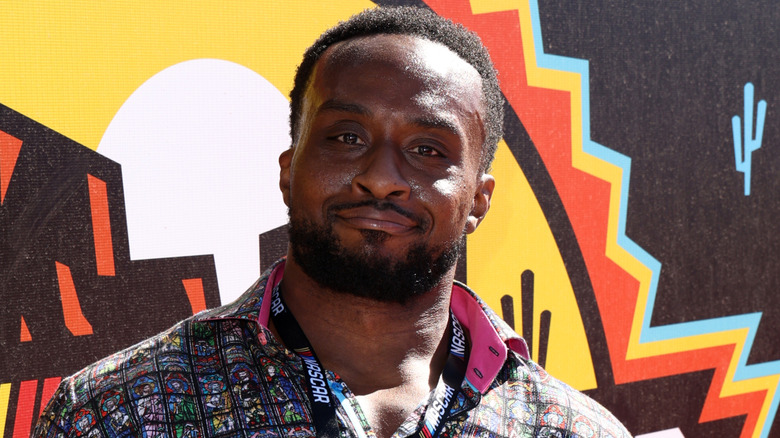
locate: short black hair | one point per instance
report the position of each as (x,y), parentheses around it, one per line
(419,22)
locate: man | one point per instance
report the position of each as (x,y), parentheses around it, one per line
(361,331)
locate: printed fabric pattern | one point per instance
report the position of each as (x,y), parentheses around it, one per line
(221,374)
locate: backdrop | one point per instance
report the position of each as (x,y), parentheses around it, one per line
(632,239)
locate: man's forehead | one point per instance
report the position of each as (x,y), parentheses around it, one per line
(443,76)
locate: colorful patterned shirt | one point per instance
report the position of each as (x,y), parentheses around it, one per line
(222,373)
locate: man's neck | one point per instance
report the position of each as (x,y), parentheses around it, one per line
(372,345)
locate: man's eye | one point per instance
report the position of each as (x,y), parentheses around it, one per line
(428,151)
(349,138)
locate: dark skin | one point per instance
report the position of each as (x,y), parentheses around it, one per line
(400,119)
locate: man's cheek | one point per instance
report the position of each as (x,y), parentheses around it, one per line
(446,187)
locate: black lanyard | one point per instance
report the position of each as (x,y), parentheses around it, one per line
(324,407)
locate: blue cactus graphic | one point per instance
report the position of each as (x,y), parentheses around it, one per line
(743,153)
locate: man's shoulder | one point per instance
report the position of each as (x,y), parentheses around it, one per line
(108,381)
(540,402)
(543,403)
(112,382)
(139,359)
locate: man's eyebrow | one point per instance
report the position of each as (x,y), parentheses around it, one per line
(438,123)
(341,106)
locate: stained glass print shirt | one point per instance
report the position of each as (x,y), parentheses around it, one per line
(221,373)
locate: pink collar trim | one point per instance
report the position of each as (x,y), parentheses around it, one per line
(488,350)
(265,307)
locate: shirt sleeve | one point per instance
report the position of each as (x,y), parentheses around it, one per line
(55,419)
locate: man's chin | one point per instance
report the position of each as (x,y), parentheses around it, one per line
(375,270)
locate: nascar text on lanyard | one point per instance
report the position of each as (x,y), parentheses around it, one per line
(323,405)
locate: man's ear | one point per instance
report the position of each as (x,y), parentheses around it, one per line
(481,204)
(285,161)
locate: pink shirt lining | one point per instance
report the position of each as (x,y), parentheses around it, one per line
(488,350)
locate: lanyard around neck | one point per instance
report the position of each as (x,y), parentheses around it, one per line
(322,404)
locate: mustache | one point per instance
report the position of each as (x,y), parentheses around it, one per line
(379,205)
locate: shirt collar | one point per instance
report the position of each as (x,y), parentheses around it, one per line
(488,349)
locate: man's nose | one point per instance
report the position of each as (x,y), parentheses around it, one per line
(382,175)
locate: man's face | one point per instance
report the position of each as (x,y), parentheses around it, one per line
(384,178)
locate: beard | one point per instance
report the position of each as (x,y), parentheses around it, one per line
(364,272)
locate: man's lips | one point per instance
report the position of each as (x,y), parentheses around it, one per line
(370,217)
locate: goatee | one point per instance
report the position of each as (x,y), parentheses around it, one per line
(364,272)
